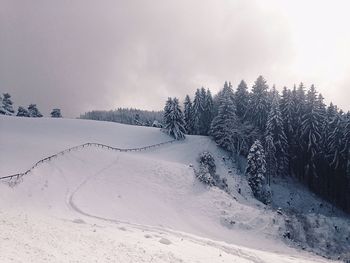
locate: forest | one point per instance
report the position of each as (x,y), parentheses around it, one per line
(289,134)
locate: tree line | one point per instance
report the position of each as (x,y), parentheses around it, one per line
(6,108)
(289,134)
(127,116)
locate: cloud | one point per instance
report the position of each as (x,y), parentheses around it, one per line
(81,55)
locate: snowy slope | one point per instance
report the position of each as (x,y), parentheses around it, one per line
(26,140)
(124,206)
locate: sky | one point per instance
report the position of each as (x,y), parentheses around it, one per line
(80,55)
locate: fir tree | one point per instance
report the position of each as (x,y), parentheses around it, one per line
(208,112)
(259,103)
(274,128)
(241,99)
(167,110)
(298,156)
(174,119)
(22,112)
(271,160)
(56,113)
(224,125)
(287,107)
(7,105)
(335,141)
(33,111)
(331,123)
(226,92)
(197,112)
(346,147)
(311,134)
(188,115)
(2,111)
(203,111)
(256,172)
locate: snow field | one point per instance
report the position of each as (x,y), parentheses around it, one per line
(99,205)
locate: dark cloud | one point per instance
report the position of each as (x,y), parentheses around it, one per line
(81,55)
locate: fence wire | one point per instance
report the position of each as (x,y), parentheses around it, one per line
(81,146)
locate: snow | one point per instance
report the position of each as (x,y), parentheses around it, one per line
(95,204)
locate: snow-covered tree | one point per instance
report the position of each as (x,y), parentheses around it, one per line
(33,111)
(207,169)
(311,134)
(198,109)
(346,147)
(2,112)
(167,110)
(224,125)
(7,105)
(331,123)
(22,112)
(208,112)
(188,115)
(274,128)
(56,113)
(271,160)
(289,116)
(174,119)
(287,107)
(226,92)
(259,103)
(202,111)
(335,141)
(241,99)
(256,172)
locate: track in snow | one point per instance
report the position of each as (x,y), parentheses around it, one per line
(248,254)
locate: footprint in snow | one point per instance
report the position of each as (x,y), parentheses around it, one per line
(164,241)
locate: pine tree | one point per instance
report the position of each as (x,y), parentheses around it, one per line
(256,172)
(174,119)
(300,103)
(204,112)
(188,115)
(259,103)
(271,160)
(274,128)
(225,92)
(224,125)
(323,118)
(7,105)
(167,110)
(241,99)
(2,111)
(296,147)
(56,113)
(346,147)
(311,134)
(33,111)
(208,112)
(287,107)
(197,112)
(22,112)
(329,127)
(335,140)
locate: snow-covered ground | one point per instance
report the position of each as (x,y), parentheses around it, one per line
(98,205)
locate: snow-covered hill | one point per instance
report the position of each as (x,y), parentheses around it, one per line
(98,205)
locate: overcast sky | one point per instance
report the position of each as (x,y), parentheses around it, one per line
(81,55)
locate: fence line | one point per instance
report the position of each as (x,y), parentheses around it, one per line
(81,146)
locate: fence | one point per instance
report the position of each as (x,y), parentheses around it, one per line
(88,144)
